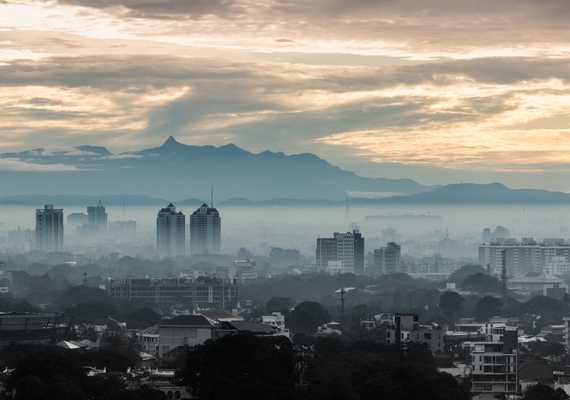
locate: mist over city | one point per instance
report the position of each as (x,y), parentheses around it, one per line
(284,199)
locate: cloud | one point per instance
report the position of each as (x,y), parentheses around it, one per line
(263,105)
(22,166)
(161,8)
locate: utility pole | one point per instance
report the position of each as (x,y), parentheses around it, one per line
(504,274)
(342,293)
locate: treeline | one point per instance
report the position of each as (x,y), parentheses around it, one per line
(250,367)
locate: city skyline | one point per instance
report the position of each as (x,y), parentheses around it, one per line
(439,92)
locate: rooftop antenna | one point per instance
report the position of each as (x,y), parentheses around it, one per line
(212,196)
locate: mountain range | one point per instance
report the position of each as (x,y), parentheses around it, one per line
(176,171)
(185,173)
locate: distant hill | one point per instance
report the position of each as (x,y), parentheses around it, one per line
(241,202)
(81,200)
(190,203)
(178,171)
(471,193)
(456,194)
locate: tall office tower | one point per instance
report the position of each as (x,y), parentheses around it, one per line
(205,230)
(326,252)
(486,236)
(358,252)
(344,252)
(387,259)
(49,228)
(97,217)
(170,232)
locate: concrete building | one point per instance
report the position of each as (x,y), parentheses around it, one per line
(524,256)
(170,232)
(49,229)
(149,340)
(542,285)
(205,231)
(344,248)
(326,252)
(77,219)
(31,328)
(387,259)
(566,333)
(557,266)
(401,329)
(97,217)
(494,365)
(182,331)
(245,270)
(203,292)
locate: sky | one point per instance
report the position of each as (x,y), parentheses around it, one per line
(439,91)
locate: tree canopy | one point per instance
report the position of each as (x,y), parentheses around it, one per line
(307,317)
(451,304)
(488,307)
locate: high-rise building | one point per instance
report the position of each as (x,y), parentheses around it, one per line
(205,230)
(77,219)
(170,232)
(326,252)
(387,259)
(358,252)
(344,248)
(49,228)
(97,217)
(522,257)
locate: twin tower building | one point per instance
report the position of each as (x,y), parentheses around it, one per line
(205,231)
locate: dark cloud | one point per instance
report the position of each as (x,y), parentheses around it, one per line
(378,8)
(163,8)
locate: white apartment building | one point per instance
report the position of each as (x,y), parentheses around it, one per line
(521,257)
(493,363)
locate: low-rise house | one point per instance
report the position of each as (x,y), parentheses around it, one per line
(185,330)
(149,340)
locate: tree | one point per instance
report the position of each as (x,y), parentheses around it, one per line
(550,309)
(544,392)
(465,271)
(278,304)
(307,317)
(488,307)
(369,371)
(482,283)
(242,366)
(547,349)
(143,317)
(357,314)
(451,304)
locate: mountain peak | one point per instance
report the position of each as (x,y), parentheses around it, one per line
(171,141)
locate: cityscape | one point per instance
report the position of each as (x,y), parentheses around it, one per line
(284,200)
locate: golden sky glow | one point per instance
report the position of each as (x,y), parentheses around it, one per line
(437,90)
